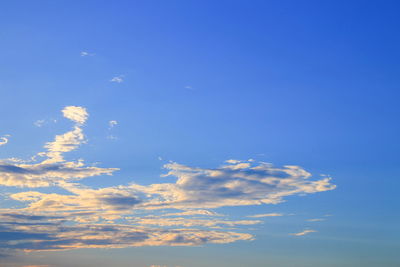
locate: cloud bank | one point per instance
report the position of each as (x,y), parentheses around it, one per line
(176,213)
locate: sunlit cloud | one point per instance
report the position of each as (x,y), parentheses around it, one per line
(4,140)
(175,213)
(265,215)
(53,168)
(76,114)
(305,232)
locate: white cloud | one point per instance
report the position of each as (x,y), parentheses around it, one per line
(86,54)
(39,123)
(117,79)
(112,137)
(112,123)
(305,232)
(4,140)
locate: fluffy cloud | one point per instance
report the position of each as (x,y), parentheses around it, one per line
(232,184)
(176,213)
(76,114)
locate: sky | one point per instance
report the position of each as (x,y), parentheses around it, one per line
(199,133)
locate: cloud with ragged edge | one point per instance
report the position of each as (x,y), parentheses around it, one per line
(305,232)
(117,79)
(4,140)
(53,168)
(265,215)
(176,213)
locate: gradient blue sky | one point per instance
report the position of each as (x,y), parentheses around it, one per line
(306,83)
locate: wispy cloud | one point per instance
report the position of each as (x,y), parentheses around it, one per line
(316,220)
(39,123)
(112,123)
(305,232)
(117,79)
(54,168)
(86,54)
(265,215)
(4,140)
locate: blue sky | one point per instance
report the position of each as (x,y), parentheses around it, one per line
(108,97)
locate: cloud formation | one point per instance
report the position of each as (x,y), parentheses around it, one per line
(86,54)
(3,140)
(265,215)
(53,168)
(112,123)
(175,213)
(117,79)
(76,114)
(305,232)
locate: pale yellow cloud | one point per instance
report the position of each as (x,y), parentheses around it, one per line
(76,114)
(178,212)
(305,232)
(3,140)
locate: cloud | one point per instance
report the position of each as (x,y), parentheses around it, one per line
(239,184)
(316,220)
(76,114)
(174,213)
(39,123)
(54,168)
(3,140)
(61,237)
(265,215)
(185,222)
(112,137)
(305,232)
(112,123)
(117,79)
(194,212)
(86,54)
